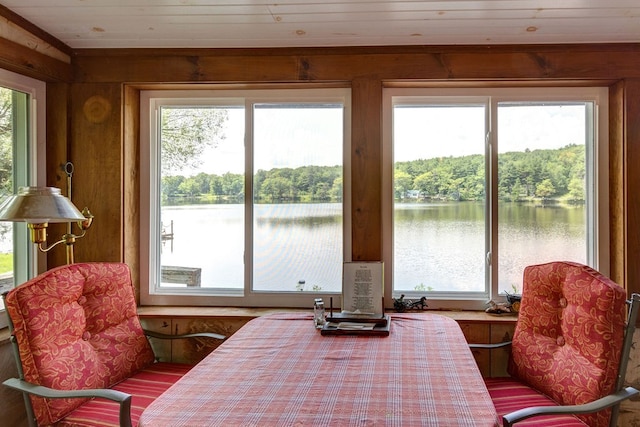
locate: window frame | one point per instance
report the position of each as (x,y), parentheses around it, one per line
(597,218)
(28,261)
(150,100)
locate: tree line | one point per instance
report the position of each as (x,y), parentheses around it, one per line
(302,184)
(544,174)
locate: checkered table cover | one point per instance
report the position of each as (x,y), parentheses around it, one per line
(279,371)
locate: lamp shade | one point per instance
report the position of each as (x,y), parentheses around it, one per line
(39,205)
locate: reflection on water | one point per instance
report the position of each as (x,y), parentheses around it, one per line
(296,243)
(533,234)
(442,246)
(210,237)
(438,246)
(292,243)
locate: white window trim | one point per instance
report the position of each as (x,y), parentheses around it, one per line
(149,100)
(600,217)
(36,175)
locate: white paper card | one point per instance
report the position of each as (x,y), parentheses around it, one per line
(362,288)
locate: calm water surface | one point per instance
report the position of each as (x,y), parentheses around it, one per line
(438,246)
(442,246)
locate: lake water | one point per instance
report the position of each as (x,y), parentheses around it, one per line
(441,246)
(438,246)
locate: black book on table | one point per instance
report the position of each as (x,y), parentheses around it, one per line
(378,319)
(350,327)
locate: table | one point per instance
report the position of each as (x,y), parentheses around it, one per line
(278,370)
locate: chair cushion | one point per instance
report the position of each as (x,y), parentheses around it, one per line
(569,335)
(510,395)
(77,328)
(144,387)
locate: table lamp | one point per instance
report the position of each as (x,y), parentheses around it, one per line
(39,206)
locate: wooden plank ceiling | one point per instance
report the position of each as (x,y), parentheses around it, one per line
(307,23)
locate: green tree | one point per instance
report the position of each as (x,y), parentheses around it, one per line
(336,189)
(6,142)
(402,182)
(186,133)
(215,185)
(6,150)
(545,189)
(321,191)
(189,187)
(203,183)
(520,173)
(576,189)
(277,187)
(543,173)
(232,184)
(517,190)
(258,179)
(307,177)
(425,183)
(171,185)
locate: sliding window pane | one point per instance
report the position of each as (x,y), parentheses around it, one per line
(542,185)
(6,187)
(202,198)
(14,152)
(297,195)
(439,239)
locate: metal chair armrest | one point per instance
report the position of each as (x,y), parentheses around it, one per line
(595,406)
(490,346)
(173,337)
(123,399)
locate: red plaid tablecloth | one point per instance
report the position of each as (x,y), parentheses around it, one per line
(279,371)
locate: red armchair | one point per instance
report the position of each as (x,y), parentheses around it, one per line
(78,336)
(569,350)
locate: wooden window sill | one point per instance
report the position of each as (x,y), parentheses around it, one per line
(150,312)
(242,312)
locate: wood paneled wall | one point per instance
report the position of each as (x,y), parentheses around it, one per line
(117,75)
(631,187)
(93,121)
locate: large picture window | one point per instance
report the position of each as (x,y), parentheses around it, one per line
(481,183)
(246,195)
(18,110)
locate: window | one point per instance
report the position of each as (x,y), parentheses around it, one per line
(479,184)
(246,196)
(18,109)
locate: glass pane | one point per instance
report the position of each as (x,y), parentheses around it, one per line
(439,198)
(298,175)
(7,136)
(15,248)
(202,203)
(542,211)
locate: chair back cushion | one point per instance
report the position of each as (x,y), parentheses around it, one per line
(569,335)
(77,328)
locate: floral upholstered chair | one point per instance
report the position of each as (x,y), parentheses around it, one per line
(77,336)
(570,349)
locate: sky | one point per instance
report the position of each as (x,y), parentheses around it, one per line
(424,133)
(289,138)
(293,138)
